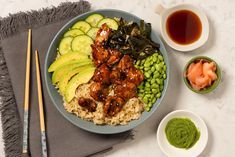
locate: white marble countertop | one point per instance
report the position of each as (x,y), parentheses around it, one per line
(217,108)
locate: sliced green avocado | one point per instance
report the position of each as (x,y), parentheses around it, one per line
(62,70)
(66,58)
(83,77)
(64,80)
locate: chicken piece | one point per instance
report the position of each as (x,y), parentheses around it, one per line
(98,91)
(126,90)
(113,105)
(99,54)
(125,63)
(102,34)
(134,75)
(117,76)
(115,56)
(102,74)
(87,103)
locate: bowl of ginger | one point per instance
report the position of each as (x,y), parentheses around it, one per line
(202,74)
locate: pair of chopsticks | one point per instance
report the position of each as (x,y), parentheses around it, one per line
(25,150)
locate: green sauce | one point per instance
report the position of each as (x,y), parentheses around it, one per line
(182,133)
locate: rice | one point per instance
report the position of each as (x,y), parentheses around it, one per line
(131,110)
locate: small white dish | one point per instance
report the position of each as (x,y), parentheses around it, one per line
(172,151)
(166,12)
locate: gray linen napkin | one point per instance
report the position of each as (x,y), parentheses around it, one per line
(64,139)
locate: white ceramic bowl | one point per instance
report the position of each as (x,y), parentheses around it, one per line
(172,151)
(166,12)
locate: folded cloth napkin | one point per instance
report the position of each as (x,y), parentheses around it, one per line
(64,139)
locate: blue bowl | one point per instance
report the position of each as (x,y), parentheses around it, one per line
(57,98)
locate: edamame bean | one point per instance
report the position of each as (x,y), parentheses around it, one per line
(152,68)
(147,89)
(164,76)
(164,67)
(155,86)
(146,69)
(159,95)
(145,99)
(152,81)
(147,84)
(161,87)
(147,75)
(148,95)
(138,62)
(157,67)
(155,91)
(147,108)
(154,100)
(154,59)
(158,81)
(147,64)
(160,57)
(150,104)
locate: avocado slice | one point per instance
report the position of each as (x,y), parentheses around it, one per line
(64,80)
(65,59)
(82,77)
(62,70)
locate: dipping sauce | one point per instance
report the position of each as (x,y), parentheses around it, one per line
(182,133)
(184,27)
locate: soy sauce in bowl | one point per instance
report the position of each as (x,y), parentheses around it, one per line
(184,27)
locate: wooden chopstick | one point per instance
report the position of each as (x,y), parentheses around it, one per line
(25,150)
(41,111)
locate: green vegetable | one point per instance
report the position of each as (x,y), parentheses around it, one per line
(82,25)
(92,32)
(159,95)
(133,39)
(154,70)
(182,133)
(73,33)
(94,19)
(65,45)
(110,22)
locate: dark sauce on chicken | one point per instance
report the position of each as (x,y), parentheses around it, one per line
(184,27)
(113,71)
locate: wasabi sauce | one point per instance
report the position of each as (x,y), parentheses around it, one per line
(182,133)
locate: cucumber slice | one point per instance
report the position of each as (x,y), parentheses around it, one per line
(73,33)
(94,19)
(82,44)
(92,32)
(110,22)
(82,25)
(65,45)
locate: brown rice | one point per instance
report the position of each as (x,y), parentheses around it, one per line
(130,111)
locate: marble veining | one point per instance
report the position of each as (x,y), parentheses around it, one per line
(216,108)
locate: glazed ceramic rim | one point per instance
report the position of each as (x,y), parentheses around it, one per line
(183,113)
(90,126)
(208,89)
